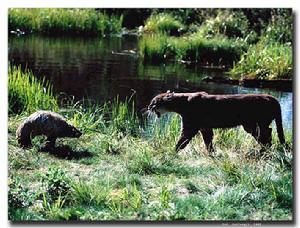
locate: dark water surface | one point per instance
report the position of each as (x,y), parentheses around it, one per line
(103,68)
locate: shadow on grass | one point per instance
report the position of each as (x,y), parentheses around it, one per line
(66,152)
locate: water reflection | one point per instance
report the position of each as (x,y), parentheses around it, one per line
(103,68)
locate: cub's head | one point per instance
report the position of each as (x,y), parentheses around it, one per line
(160,104)
(71,132)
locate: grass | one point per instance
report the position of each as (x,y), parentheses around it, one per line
(28,94)
(162,23)
(225,39)
(119,170)
(63,21)
(194,48)
(141,178)
(213,43)
(266,61)
(229,38)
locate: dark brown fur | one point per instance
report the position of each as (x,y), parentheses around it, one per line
(203,112)
(45,123)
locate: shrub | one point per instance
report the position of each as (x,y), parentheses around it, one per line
(228,23)
(280,29)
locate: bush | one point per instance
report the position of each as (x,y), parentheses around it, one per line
(280,29)
(232,24)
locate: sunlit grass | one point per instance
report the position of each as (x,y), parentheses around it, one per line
(142,178)
(133,172)
(162,23)
(59,21)
(27,94)
(194,48)
(266,61)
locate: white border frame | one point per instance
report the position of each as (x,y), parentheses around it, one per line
(5,4)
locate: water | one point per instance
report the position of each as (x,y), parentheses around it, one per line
(103,68)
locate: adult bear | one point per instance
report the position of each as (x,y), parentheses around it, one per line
(203,112)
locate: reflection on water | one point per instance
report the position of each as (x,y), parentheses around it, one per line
(103,68)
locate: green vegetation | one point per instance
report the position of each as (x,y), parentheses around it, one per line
(272,56)
(253,43)
(118,170)
(27,94)
(56,21)
(256,47)
(266,61)
(164,23)
(230,24)
(157,48)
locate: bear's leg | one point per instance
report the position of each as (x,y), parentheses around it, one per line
(185,138)
(265,136)
(207,135)
(25,143)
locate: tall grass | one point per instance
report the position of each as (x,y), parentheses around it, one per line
(194,48)
(163,23)
(113,117)
(27,94)
(140,177)
(266,61)
(261,50)
(59,21)
(144,182)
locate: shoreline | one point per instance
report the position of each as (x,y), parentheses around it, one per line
(284,85)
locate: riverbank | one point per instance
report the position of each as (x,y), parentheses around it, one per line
(285,85)
(61,22)
(240,40)
(122,170)
(226,40)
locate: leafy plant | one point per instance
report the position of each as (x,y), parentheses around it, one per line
(56,183)
(18,195)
